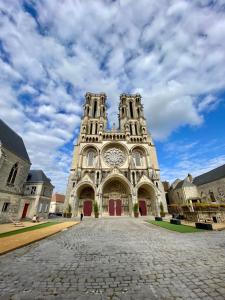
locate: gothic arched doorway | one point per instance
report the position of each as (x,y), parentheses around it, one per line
(116,198)
(85,197)
(146,200)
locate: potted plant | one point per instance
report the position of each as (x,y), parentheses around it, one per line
(136,210)
(96,209)
(162,213)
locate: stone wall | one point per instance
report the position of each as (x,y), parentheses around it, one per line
(11,193)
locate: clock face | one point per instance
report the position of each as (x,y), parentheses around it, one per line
(114,157)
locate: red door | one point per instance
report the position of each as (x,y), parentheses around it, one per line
(118,207)
(87,208)
(111,207)
(142,208)
(25,210)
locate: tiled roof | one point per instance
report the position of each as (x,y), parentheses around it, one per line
(12,141)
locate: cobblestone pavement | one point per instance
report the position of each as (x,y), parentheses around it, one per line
(117,258)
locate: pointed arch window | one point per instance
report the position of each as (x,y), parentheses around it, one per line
(12,175)
(137,159)
(90,158)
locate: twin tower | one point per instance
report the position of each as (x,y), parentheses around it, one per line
(115,168)
(131,119)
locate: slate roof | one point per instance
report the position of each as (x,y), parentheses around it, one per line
(12,141)
(210,176)
(37,176)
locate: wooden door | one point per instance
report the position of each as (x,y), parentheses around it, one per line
(118,207)
(25,210)
(111,207)
(142,207)
(87,208)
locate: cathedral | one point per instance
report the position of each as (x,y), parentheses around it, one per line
(116,168)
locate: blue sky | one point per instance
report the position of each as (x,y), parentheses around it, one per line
(171,52)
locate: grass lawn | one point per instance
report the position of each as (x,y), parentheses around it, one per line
(25,229)
(174,227)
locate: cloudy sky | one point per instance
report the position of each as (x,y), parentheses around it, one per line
(170,51)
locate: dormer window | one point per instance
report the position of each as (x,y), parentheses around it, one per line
(33,190)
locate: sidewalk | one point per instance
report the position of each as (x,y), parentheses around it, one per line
(23,239)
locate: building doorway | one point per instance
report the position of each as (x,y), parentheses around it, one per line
(86,196)
(87,208)
(146,200)
(25,209)
(142,207)
(116,198)
(115,208)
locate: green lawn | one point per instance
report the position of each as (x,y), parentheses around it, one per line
(174,227)
(25,229)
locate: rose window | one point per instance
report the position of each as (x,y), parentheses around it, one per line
(114,157)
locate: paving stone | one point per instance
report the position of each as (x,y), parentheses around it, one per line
(123,258)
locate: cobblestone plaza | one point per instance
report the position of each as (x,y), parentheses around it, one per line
(117,258)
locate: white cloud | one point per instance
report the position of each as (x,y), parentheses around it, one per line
(171,51)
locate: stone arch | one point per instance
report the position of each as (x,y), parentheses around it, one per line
(139,156)
(84,198)
(116,193)
(147,198)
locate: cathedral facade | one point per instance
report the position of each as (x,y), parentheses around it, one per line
(116,168)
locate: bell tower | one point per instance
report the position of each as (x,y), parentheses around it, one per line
(94,120)
(131,116)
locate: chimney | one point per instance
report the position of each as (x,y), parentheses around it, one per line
(190,177)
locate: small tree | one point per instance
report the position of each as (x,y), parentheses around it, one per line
(136,209)
(69,209)
(96,209)
(162,213)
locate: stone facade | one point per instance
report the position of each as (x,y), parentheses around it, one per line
(37,193)
(117,167)
(205,188)
(16,202)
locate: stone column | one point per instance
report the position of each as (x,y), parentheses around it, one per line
(100,204)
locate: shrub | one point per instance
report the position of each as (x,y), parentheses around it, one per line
(162,213)
(135,208)
(96,209)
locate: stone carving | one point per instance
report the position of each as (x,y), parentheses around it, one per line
(114,157)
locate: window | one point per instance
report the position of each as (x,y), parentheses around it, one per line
(40,207)
(5,206)
(74,184)
(91,128)
(137,158)
(133,178)
(212,197)
(136,129)
(90,158)
(12,174)
(131,110)
(46,208)
(33,190)
(95,110)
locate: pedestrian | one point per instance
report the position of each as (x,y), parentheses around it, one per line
(81,216)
